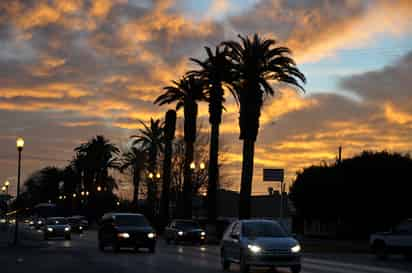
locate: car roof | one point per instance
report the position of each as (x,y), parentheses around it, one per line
(112,214)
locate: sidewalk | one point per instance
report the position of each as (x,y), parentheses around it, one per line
(27,237)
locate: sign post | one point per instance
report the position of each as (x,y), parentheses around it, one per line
(276,175)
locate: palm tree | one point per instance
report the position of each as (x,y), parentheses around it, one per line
(216,72)
(256,62)
(150,139)
(134,159)
(169,134)
(95,158)
(186,93)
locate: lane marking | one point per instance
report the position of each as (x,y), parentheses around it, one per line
(368,268)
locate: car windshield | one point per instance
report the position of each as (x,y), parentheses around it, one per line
(131,220)
(263,229)
(57,221)
(74,220)
(187,225)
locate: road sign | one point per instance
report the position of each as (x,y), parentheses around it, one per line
(273,175)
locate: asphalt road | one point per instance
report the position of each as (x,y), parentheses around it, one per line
(81,255)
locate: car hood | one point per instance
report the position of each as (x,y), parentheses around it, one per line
(134,229)
(273,242)
(57,226)
(194,230)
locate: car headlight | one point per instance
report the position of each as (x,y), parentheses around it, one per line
(295,249)
(151,235)
(123,235)
(31,223)
(254,248)
(202,233)
(49,229)
(3,221)
(39,222)
(80,227)
(180,233)
(67,229)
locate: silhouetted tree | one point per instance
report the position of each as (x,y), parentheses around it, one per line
(369,192)
(186,93)
(216,72)
(150,139)
(169,134)
(135,161)
(256,62)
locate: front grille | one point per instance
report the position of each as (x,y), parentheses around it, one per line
(276,252)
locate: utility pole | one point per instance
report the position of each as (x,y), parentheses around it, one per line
(340,155)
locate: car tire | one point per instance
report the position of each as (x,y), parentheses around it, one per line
(296,268)
(244,267)
(67,237)
(152,249)
(101,246)
(46,238)
(225,263)
(380,250)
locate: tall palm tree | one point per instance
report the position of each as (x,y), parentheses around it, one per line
(150,138)
(256,62)
(169,134)
(134,159)
(186,93)
(216,72)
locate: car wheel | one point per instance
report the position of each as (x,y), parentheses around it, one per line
(116,247)
(46,237)
(152,249)
(244,267)
(296,268)
(101,246)
(68,237)
(380,250)
(225,263)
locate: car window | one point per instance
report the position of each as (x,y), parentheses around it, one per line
(187,225)
(236,229)
(263,229)
(131,220)
(404,228)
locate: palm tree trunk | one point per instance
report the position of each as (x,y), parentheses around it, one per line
(213,173)
(136,182)
(187,183)
(246,181)
(167,164)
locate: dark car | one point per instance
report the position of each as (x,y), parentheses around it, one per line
(396,241)
(185,231)
(126,230)
(259,243)
(76,223)
(57,227)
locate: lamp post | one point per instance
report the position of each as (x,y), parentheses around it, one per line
(19,145)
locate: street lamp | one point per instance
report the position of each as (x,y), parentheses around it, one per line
(19,145)
(193,165)
(158,175)
(74,195)
(99,188)
(202,165)
(7,184)
(3,189)
(151,175)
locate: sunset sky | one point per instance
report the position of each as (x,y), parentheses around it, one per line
(76,68)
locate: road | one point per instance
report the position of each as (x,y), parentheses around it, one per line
(81,255)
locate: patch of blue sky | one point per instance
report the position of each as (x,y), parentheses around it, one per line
(200,9)
(324,75)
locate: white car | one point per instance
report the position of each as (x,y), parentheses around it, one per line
(396,241)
